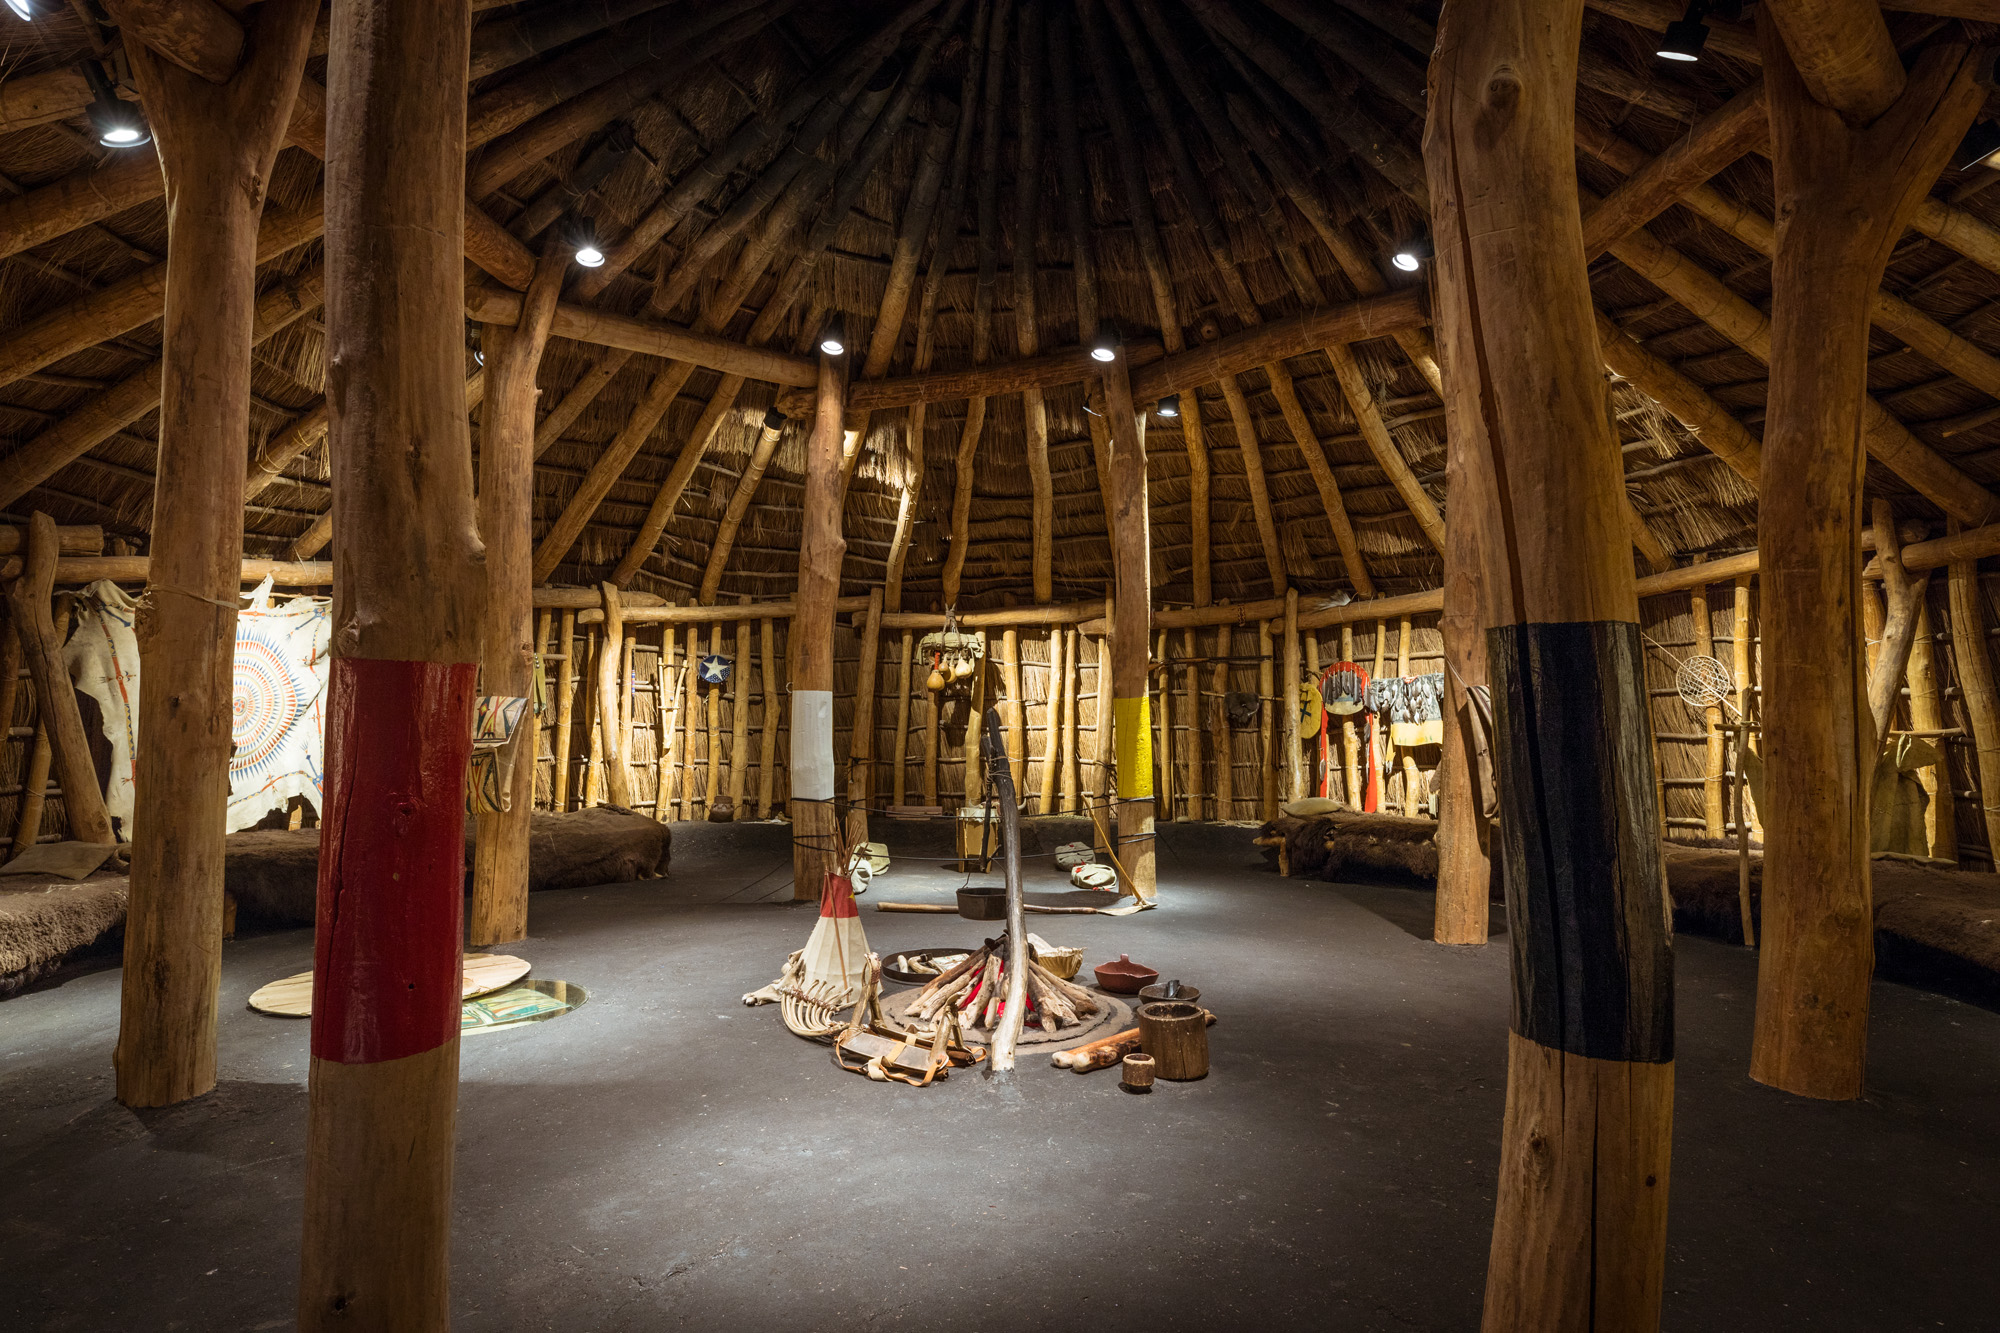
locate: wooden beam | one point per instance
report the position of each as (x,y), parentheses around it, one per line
(720,403)
(130,302)
(78,199)
(1739,126)
(62,443)
(1843,53)
(1935,477)
(1846,195)
(198,35)
(1374,430)
(217,144)
(609,467)
(1972,651)
(653,337)
(1579,1234)
(739,505)
(384,1081)
(1323,480)
(1252,454)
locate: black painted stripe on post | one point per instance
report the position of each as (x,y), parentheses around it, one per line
(1579,839)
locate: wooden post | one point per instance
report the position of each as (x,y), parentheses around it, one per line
(1073,646)
(217,140)
(1052,707)
(692,793)
(610,664)
(1015,711)
(739,721)
(1267,695)
(1219,725)
(34,790)
(543,622)
(1131,632)
(593,726)
(1413,802)
(1743,660)
(1927,714)
(1102,789)
(1350,735)
(1844,196)
(30,605)
(565,712)
(899,773)
(1905,593)
(861,739)
(1288,702)
(1192,712)
(767,736)
(712,789)
(1163,730)
(1385,748)
(1462,912)
(408,586)
(506,526)
(667,707)
(816,835)
(1711,718)
(1579,1234)
(1974,659)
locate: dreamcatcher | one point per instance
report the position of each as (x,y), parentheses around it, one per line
(1703,682)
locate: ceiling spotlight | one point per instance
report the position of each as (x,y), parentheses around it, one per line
(118,124)
(1979,148)
(1686,35)
(1410,256)
(24,10)
(587,253)
(1170,406)
(475,343)
(1104,347)
(833,338)
(774,420)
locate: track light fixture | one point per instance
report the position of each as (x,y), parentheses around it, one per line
(774,420)
(1104,347)
(1170,406)
(1686,35)
(833,337)
(475,342)
(118,124)
(24,10)
(1410,256)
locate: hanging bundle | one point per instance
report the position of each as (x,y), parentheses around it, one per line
(953,654)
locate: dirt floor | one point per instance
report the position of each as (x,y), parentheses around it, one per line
(665,1157)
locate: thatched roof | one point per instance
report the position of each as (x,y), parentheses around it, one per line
(1099,71)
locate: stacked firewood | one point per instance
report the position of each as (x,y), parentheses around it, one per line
(977,990)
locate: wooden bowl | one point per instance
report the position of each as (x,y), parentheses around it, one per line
(1125,976)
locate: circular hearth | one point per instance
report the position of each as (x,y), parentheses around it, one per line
(1114,1016)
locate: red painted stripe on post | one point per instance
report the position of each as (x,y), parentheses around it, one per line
(386,957)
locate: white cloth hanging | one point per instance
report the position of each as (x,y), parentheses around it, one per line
(103,659)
